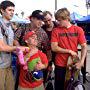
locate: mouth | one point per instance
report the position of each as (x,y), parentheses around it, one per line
(11,15)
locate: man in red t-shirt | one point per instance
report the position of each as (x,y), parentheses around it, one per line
(64,41)
(32,77)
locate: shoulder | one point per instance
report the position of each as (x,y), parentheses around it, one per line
(42,30)
(55,24)
(41,54)
(56,30)
(77,28)
(42,33)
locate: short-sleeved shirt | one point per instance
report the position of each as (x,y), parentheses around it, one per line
(8,36)
(43,40)
(24,80)
(67,38)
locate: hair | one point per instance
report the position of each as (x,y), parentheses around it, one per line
(47,12)
(63,14)
(5,4)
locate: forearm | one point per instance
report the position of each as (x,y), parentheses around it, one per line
(16,43)
(60,50)
(83,53)
(7,48)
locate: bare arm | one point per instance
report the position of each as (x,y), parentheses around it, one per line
(83,55)
(56,48)
(16,43)
(83,52)
(6,48)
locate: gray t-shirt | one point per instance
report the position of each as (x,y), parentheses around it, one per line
(8,37)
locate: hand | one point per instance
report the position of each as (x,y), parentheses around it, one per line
(73,53)
(23,48)
(39,66)
(78,65)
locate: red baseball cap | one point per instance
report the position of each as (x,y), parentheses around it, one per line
(28,34)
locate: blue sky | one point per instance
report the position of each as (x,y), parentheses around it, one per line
(29,5)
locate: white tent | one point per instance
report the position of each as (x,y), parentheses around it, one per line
(75,16)
(19,20)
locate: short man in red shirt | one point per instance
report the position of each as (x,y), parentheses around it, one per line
(64,41)
(36,61)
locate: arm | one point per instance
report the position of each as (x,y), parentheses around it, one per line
(16,43)
(82,42)
(83,52)
(83,55)
(43,63)
(6,48)
(40,66)
(57,49)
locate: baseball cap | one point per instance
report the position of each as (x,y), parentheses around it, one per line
(38,14)
(28,34)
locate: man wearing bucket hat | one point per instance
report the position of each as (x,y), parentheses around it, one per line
(36,19)
(32,78)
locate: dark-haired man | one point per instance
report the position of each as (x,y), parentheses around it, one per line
(36,19)
(6,45)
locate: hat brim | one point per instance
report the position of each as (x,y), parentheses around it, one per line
(39,17)
(28,34)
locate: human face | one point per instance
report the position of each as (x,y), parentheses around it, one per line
(7,14)
(36,22)
(62,23)
(33,40)
(48,20)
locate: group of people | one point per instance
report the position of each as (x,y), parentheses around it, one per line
(55,41)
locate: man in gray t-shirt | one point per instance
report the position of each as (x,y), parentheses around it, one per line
(6,45)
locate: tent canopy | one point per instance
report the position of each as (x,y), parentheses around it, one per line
(19,20)
(75,16)
(85,19)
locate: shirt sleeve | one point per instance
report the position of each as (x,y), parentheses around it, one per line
(43,58)
(81,36)
(54,36)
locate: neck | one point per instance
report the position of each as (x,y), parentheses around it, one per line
(31,46)
(50,27)
(33,50)
(68,25)
(32,26)
(5,19)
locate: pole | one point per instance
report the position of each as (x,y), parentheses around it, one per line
(87,6)
(55,5)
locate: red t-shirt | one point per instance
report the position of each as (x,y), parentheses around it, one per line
(23,81)
(67,38)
